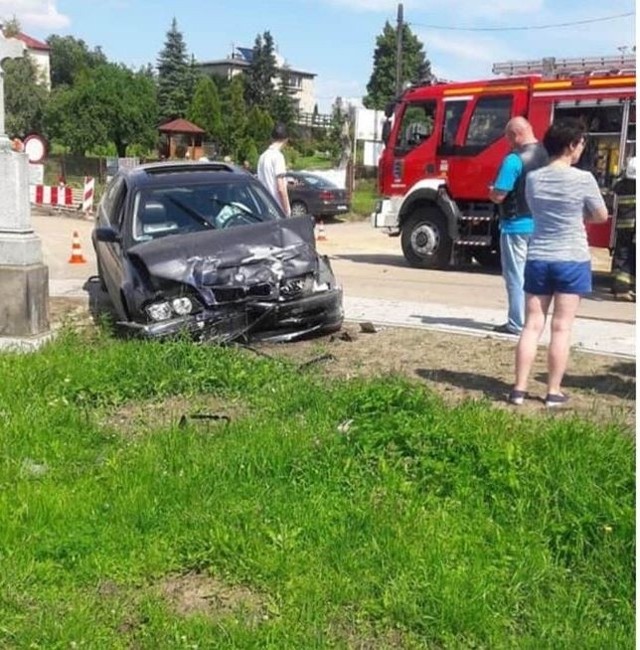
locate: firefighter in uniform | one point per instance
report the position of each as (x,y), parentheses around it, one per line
(624,252)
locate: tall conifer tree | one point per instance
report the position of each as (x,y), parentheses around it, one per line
(174,76)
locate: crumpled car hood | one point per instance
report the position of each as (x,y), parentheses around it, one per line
(240,256)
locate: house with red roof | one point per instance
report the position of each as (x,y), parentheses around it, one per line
(181,139)
(39,52)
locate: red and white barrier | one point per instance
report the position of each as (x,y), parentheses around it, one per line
(48,195)
(88,193)
(62,196)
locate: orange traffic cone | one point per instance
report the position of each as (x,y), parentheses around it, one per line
(76,250)
(320,236)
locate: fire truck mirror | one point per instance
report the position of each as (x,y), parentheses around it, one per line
(388,109)
(386,130)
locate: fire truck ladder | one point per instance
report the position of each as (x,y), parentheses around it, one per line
(553,67)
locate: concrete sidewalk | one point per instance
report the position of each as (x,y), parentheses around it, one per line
(589,335)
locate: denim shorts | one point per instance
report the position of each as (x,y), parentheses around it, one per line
(546,278)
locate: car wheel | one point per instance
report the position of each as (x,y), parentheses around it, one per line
(425,239)
(298,209)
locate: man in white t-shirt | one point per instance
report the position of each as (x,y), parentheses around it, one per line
(272,168)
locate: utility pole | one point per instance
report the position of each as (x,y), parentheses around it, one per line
(399,31)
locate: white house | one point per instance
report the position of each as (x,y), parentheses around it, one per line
(300,83)
(39,52)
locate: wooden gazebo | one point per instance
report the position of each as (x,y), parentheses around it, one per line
(181,139)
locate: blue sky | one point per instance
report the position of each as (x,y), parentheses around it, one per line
(336,38)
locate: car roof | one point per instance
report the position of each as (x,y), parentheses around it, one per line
(163,173)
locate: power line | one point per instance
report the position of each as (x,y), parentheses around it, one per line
(523,27)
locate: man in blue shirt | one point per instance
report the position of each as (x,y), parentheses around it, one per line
(516,222)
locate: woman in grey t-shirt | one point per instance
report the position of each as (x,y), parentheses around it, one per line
(558,266)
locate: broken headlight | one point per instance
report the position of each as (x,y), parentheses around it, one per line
(166,309)
(292,288)
(182,306)
(159,311)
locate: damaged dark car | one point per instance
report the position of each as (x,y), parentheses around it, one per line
(203,248)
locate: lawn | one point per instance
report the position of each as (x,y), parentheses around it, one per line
(186,496)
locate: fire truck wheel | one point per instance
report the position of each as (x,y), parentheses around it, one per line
(425,240)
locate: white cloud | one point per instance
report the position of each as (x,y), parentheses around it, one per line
(458,58)
(34,14)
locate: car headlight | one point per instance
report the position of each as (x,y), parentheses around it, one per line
(182,306)
(159,311)
(296,287)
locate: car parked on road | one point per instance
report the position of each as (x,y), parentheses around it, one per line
(313,194)
(202,247)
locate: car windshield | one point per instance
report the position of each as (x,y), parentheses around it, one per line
(177,209)
(319,182)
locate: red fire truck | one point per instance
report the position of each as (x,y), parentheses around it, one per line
(444,143)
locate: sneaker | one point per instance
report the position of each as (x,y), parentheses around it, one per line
(505,329)
(517,397)
(553,400)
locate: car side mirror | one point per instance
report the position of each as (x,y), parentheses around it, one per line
(108,235)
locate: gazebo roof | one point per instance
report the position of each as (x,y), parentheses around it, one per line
(180,126)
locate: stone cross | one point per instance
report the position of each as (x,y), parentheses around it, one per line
(10,48)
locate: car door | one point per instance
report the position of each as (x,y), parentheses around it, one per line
(111,254)
(481,145)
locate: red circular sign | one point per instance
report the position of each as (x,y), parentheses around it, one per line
(36,148)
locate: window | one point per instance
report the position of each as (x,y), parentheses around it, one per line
(113,200)
(416,126)
(182,208)
(489,119)
(453,113)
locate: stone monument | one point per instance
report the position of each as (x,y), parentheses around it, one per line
(24,279)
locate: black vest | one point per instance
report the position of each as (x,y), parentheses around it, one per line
(533,156)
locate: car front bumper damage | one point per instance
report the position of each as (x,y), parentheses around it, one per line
(266,321)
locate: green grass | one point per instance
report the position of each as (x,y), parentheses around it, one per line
(415,525)
(364,197)
(316,161)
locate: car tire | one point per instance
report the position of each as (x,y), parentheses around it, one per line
(298,209)
(425,239)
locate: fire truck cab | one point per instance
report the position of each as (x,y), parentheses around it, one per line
(444,143)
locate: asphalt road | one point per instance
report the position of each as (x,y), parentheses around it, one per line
(380,286)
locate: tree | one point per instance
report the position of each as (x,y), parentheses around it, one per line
(11,28)
(283,108)
(262,71)
(175,76)
(205,109)
(111,104)
(25,99)
(381,88)
(70,57)
(259,127)
(235,117)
